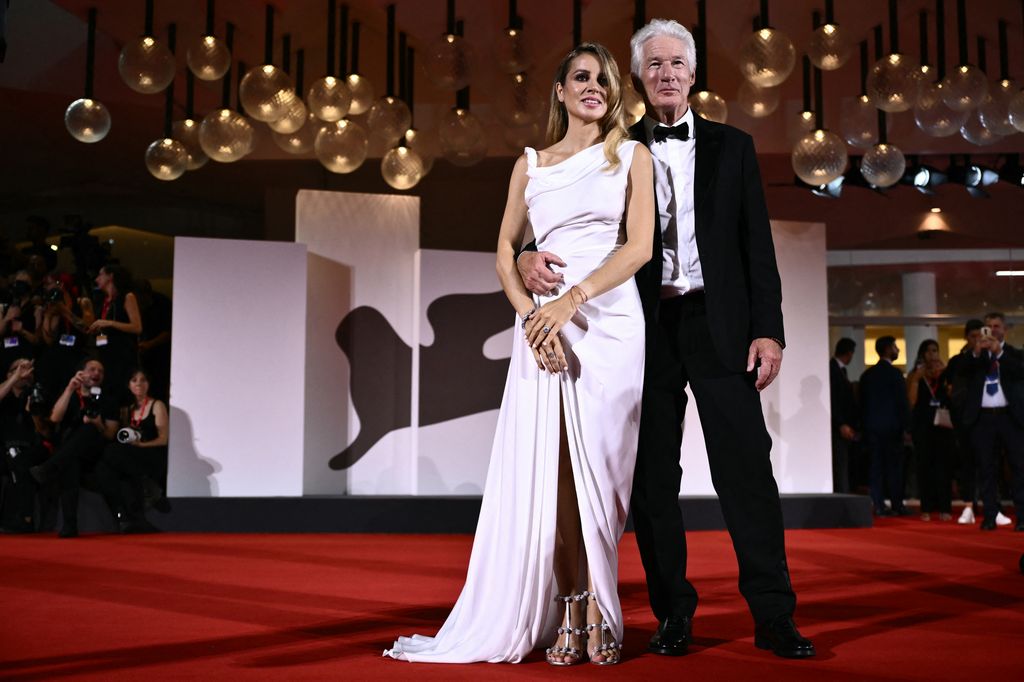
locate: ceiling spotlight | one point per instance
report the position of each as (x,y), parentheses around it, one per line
(1012,172)
(923,177)
(831,190)
(973,177)
(935,209)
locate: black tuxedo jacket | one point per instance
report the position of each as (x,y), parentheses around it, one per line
(844,405)
(1011,378)
(734,241)
(883,399)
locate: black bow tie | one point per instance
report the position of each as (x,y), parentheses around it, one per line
(680,132)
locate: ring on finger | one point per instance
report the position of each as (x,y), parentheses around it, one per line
(546,329)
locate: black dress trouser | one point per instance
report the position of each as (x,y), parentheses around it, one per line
(739,450)
(994,427)
(77,454)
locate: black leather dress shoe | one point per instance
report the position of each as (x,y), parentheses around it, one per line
(1019,527)
(988,524)
(673,636)
(783,639)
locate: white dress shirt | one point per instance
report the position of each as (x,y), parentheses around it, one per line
(674,162)
(997,399)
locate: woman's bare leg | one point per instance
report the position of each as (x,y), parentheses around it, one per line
(568,539)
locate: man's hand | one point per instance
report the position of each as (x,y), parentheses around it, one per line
(77,381)
(23,370)
(535,269)
(990,344)
(769,352)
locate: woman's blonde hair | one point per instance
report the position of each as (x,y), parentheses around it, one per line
(613,123)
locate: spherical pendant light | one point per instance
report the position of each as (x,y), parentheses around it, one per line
(426,145)
(512,51)
(709,106)
(449,62)
(893,82)
(388,119)
(819,157)
(933,116)
(208,58)
(187,133)
(146,65)
(995,108)
(525,136)
(329,99)
(883,165)
(166,159)
(828,48)
(518,103)
(858,122)
(226,135)
(401,168)
(87,120)
(757,102)
(965,88)
(342,146)
(300,141)
(976,133)
(1017,111)
(266,93)
(632,101)
(362,93)
(767,58)
(293,120)
(463,138)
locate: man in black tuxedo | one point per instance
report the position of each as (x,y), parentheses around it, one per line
(994,411)
(713,307)
(844,413)
(886,413)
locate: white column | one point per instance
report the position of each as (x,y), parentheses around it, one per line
(918,299)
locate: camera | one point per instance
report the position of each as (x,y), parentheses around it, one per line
(37,400)
(127,436)
(986,331)
(92,403)
(20,289)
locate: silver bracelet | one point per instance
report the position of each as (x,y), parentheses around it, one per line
(527,316)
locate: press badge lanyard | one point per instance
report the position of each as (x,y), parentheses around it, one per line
(136,421)
(101,339)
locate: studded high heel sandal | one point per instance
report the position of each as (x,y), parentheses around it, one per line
(568,631)
(606,647)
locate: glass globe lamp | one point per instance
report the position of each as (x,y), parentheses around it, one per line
(449,62)
(829,48)
(1016,109)
(819,157)
(362,93)
(266,93)
(632,102)
(757,102)
(800,124)
(146,65)
(342,146)
(187,133)
(463,138)
(883,165)
(995,108)
(893,83)
(710,106)
(300,141)
(401,168)
(933,116)
(293,120)
(512,51)
(767,58)
(225,135)
(329,99)
(975,132)
(208,58)
(388,119)
(518,103)
(87,120)
(167,159)
(964,88)
(426,145)
(858,122)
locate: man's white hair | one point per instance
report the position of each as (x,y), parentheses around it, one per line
(661,27)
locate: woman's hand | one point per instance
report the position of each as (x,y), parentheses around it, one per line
(98,325)
(552,316)
(550,356)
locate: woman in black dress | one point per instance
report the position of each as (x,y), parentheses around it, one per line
(933,436)
(116,324)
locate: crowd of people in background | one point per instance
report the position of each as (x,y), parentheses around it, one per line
(939,429)
(86,351)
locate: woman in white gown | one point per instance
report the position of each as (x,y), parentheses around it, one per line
(557,491)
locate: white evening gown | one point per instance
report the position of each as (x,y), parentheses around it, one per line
(507,606)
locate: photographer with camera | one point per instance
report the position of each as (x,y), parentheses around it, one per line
(86,419)
(22,425)
(62,334)
(20,321)
(117,327)
(128,472)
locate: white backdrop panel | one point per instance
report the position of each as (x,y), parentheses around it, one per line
(361,297)
(237,369)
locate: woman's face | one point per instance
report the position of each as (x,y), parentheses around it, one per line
(103,280)
(139,385)
(585,90)
(931,353)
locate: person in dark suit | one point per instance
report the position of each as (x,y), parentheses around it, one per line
(886,414)
(994,411)
(713,310)
(957,382)
(844,413)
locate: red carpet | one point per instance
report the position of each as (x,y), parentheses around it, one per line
(905,600)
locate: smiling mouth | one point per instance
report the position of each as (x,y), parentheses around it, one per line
(591,101)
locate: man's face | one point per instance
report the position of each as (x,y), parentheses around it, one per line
(26,380)
(666,76)
(893,352)
(93,374)
(998,327)
(973,337)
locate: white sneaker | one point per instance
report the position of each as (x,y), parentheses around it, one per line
(1002,519)
(967,516)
